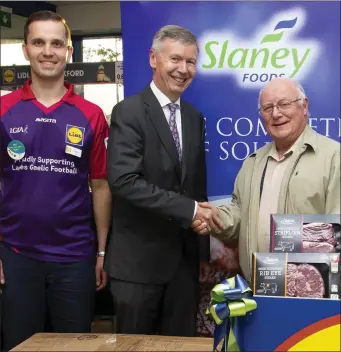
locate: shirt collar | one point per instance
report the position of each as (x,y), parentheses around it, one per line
(69,96)
(162,99)
(273,151)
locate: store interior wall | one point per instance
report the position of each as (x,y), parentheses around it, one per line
(83,18)
(17,29)
(92,18)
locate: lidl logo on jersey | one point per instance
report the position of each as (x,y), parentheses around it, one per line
(274,50)
(75,135)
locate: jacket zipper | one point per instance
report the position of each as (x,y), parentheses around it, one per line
(292,172)
(249,261)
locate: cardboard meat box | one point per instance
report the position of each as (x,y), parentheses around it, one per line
(311,275)
(111,342)
(302,233)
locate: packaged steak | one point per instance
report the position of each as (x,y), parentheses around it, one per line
(309,275)
(303,233)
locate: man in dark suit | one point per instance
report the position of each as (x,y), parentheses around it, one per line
(157,175)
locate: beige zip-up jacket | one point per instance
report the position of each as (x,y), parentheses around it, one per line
(311,185)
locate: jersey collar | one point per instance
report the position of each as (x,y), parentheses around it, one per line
(69,96)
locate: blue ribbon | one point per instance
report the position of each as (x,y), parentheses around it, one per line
(229,299)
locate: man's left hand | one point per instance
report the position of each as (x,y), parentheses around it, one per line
(101,275)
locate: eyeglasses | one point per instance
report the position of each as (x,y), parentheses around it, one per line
(282,105)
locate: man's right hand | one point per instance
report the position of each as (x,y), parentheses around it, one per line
(206,218)
(2,276)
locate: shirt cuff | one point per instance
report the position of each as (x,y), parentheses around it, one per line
(195,209)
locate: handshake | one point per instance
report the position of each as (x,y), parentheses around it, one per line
(206,219)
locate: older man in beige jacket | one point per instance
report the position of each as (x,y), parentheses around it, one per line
(298,173)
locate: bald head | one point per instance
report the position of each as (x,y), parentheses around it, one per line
(281,83)
(284,109)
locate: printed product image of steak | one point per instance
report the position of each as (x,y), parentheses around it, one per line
(309,282)
(291,280)
(319,232)
(318,247)
(304,280)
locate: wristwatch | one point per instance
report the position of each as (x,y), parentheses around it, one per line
(100,254)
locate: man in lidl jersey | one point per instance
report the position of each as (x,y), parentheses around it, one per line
(52,143)
(298,173)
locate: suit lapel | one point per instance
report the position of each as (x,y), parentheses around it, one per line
(157,116)
(186,139)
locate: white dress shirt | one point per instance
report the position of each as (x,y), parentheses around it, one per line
(164,101)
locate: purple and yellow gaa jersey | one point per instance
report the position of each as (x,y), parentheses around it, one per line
(47,156)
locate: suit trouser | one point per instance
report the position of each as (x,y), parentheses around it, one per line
(165,309)
(31,287)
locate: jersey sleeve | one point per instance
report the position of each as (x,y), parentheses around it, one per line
(98,154)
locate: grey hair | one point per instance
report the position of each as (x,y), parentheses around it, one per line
(176,33)
(299,88)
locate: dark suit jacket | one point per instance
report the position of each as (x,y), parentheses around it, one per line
(153,195)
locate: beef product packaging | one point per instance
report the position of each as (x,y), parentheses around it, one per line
(310,275)
(299,233)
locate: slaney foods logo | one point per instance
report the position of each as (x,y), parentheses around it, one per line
(273,51)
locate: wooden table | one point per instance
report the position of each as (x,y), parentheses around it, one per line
(113,342)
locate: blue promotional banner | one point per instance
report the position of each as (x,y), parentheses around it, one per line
(242,46)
